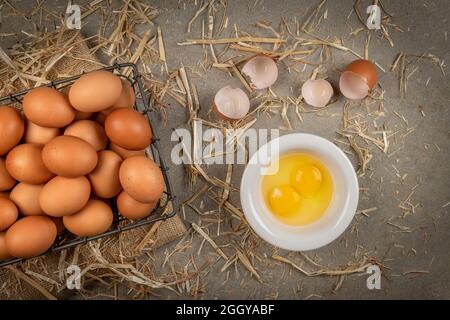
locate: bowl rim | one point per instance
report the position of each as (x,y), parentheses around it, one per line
(326,236)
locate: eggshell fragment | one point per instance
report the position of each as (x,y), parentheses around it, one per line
(30,236)
(95,218)
(317,93)
(128,129)
(353,86)
(48,107)
(358,79)
(26,198)
(366,69)
(11,129)
(4,254)
(39,135)
(89,131)
(231,103)
(132,209)
(64,196)
(262,71)
(125,153)
(69,156)
(6,181)
(95,91)
(105,177)
(142,179)
(8,213)
(24,163)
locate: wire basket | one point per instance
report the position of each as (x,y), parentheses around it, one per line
(166,207)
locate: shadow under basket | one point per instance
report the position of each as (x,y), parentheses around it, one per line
(167,205)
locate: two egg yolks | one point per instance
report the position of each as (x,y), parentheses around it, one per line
(300,191)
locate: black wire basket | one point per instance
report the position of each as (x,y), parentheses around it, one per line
(167,205)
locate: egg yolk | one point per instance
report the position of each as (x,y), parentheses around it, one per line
(284,200)
(307,180)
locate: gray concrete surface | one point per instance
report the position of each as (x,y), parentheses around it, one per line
(424,246)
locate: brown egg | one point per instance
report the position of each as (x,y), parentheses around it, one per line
(24,163)
(95,218)
(11,129)
(39,135)
(4,254)
(6,181)
(8,213)
(128,129)
(64,196)
(132,209)
(26,198)
(47,107)
(69,156)
(142,179)
(79,115)
(124,153)
(95,91)
(127,97)
(89,131)
(30,236)
(105,177)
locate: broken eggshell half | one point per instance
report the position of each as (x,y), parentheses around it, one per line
(231,103)
(317,93)
(358,79)
(262,71)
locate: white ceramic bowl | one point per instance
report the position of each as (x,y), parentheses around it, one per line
(339,213)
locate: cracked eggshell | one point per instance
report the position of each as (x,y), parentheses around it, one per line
(358,79)
(231,103)
(262,71)
(317,93)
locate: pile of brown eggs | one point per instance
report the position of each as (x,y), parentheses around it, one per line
(67,158)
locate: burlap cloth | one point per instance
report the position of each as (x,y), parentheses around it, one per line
(39,277)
